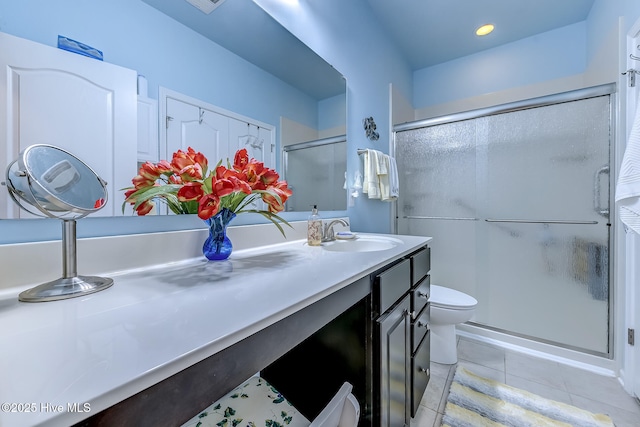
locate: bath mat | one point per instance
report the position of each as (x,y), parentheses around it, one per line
(475,401)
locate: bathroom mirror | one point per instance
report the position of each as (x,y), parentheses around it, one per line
(238,26)
(242,27)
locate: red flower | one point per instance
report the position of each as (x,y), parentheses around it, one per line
(269,176)
(191,172)
(241,159)
(181,160)
(149,171)
(190,191)
(276,204)
(208,206)
(98,204)
(144,208)
(164,167)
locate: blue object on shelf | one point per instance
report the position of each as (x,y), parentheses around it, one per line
(76,47)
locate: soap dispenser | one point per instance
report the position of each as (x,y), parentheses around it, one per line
(314,228)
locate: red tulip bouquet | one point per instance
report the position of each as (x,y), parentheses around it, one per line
(188,186)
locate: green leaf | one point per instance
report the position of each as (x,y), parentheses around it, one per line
(235,422)
(278,400)
(222,423)
(229,412)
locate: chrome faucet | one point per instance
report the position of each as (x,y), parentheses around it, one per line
(327,233)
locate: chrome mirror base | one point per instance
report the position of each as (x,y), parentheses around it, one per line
(66,287)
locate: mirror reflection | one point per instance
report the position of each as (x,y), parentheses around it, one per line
(318,169)
(237,58)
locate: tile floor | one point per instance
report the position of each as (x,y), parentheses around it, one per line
(545,378)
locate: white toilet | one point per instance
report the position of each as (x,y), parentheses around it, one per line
(448,308)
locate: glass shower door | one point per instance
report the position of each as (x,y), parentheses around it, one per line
(545,204)
(518,206)
(438,197)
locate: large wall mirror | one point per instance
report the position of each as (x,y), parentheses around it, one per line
(248,64)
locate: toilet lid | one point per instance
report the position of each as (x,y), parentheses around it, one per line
(446,297)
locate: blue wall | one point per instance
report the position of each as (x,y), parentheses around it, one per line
(346,34)
(554,54)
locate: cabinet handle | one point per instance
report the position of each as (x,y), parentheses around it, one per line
(423,325)
(423,295)
(424,371)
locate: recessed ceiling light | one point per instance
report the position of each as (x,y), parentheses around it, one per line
(484,30)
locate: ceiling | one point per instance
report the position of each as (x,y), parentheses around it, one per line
(430,32)
(426,32)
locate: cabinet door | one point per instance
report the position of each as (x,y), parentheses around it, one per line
(394,337)
(82,105)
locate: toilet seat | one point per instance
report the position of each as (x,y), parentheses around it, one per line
(450,298)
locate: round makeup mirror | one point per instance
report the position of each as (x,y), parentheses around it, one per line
(58,185)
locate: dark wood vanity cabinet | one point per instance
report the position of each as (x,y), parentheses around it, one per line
(380,345)
(400,310)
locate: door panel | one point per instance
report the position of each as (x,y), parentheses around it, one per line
(82,105)
(393,336)
(201,129)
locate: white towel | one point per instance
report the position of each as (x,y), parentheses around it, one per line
(628,187)
(394,184)
(383,175)
(371,184)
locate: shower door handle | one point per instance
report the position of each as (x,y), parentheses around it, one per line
(596,191)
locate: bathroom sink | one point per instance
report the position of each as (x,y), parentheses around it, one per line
(362,244)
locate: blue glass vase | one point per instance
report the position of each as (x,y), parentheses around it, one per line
(218,246)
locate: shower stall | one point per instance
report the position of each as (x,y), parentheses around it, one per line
(517,200)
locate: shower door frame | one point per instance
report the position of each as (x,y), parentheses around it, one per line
(543,101)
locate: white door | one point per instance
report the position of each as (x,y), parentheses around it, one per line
(214,131)
(632,239)
(190,125)
(85,106)
(258,141)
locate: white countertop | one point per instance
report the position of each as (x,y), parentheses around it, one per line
(97,350)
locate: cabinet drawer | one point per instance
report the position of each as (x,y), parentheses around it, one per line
(420,295)
(421,263)
(420,373)
(392,284)
(419,328)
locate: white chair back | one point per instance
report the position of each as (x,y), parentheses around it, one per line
(342,411)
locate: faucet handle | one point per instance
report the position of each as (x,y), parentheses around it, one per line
(328,234)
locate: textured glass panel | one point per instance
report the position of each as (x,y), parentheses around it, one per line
(546,162)
(542,280)
(453,250)
(437,170)
(547,281)
(317,175)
